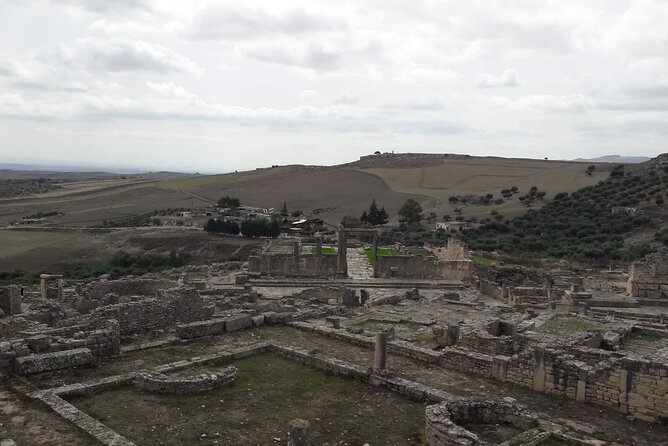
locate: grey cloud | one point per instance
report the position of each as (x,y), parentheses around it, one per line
(224,22)
(108,6)
(120,55)
(649,126)
(346,99)
(337,119)
(315,57)
(428,105)
(509,78)
(653,91)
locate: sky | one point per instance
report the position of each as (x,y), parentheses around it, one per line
(214,86)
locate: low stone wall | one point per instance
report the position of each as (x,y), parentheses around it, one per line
(160,383)
(284,265)
(126,287)
(43,362)
(493,290)
(443,420)
(200,329)
(455,270)
(635,386)
(214,326)
(407,267)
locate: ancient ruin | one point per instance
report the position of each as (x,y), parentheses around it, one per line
(649,277)
(491,358)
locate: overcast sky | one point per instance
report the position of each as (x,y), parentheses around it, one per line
(224,85)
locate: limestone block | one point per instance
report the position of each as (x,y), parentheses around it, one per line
(53,361)
(235,323)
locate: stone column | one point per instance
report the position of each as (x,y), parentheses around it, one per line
(318,253)
(299,432)
(539,369)
(343,257)
(375,255)
(380,356)
(581,394)
(295,257)
(42,286)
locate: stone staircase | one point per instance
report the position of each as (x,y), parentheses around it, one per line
(359,267)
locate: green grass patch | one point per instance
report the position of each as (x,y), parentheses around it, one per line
(268,392)
(381,252)
(419,251)
(483,261)
(560,324)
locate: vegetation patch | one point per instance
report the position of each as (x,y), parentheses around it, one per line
(561,324)
(269,392)
(381,252)
(590,223)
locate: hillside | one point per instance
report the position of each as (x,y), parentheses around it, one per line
(584,224)
(332,192)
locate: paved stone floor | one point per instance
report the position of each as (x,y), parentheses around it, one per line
(359,267)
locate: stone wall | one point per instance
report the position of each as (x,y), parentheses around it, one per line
(455,270)
(182,385)
(407,267)
(43,362)
(103,342)
(635,386)
(10,300)
(136,317)
(126,287)
(284,265)
(649,277)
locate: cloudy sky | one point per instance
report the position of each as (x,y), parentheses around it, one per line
(224,85)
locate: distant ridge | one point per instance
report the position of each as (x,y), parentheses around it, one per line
(616,159)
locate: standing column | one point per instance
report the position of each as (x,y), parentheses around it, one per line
(42,285)
(380,356)
(295,257)
(318,253)
(343,257)
(375,255)
(299,432)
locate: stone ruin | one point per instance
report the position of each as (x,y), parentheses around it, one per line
(618,361)
(649,277)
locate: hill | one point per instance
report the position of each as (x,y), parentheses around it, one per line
(330,192)
(619,159)
(609,220)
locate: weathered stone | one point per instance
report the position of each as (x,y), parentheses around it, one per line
(53,361)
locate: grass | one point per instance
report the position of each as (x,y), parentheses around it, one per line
(381,252)
(560,324)
(419,251)
(269,391)
(483,261)
(648,336)
(325,250)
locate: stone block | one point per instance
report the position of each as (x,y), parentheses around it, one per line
(53,361)
(201,328)
(235,323)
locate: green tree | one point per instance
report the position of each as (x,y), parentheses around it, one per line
(590,169)
(229,202)
(411,212)
(284,209)
(375,216)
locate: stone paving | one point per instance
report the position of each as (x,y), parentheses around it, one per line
(359,267)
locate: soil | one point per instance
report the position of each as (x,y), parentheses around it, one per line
(608,424)
(268,392)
